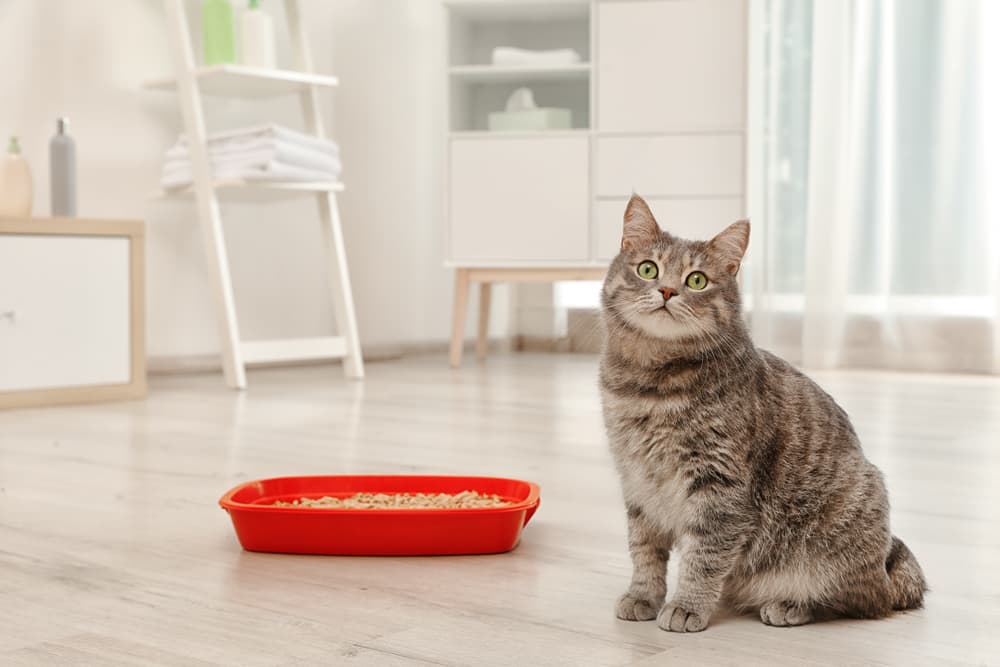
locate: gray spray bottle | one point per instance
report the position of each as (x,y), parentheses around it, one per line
(62,172)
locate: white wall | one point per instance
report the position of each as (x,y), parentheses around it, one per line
(390,121)
(70,58)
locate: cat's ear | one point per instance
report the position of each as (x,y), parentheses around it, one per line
(640,229)
(731,243)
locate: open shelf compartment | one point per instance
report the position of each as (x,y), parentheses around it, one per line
(478,87)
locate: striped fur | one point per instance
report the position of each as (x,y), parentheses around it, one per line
(731,456)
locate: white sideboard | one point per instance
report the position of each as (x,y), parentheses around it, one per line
(659,108)
(72,320)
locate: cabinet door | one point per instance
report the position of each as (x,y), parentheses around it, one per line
(64,311)
(676,165)
(519,200)
(671,64)
(695,219)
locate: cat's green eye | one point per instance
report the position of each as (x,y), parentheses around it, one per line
(697,280)
(647,270)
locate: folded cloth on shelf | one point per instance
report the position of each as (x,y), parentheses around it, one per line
(509,55)
(261,153)
(240,137)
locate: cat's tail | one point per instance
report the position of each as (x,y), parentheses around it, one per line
(906,580)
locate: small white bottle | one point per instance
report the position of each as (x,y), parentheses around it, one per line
(62,171)
(257,37)
(16,189)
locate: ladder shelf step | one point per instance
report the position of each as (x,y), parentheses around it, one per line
(293,349)
(255,191)
(242,81)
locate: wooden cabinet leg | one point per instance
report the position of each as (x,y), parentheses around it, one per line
(458,316)
(483,341)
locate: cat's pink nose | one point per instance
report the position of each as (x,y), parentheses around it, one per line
(667,292)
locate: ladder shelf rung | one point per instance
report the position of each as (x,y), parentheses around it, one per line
(293,349)
(242,81)
(255,191)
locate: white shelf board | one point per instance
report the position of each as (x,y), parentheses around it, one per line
(240,81)
(521,73)
(519,10)
(294,349)
(518,134)
(255,191)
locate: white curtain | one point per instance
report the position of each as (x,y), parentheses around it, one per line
(875,185)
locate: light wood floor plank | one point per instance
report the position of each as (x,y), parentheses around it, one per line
(113,550)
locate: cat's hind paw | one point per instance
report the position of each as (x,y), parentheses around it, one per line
(783,614)
(630,608)
(675,618)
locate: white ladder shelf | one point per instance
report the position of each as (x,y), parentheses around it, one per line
(191,83)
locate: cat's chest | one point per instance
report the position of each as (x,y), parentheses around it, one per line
(662,498)
(654,478)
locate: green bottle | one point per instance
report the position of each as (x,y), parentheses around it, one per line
(218,38)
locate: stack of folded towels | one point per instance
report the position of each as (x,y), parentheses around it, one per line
(259,153)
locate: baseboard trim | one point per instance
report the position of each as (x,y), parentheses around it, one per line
(212,363)
(541,344)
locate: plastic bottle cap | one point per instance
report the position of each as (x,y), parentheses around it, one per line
(61,124)
(14,148)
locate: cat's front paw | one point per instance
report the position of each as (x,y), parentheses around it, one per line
(631,608)
(785,613)
(678,618)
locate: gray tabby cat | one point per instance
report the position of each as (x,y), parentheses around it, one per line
(730,455)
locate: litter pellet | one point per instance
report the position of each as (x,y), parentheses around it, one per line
(463,500)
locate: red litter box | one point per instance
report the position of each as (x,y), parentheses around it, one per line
(260,526)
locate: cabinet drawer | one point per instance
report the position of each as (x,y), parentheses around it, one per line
(697,165)
(65,313)
(671,64)
(687,218)
(519,199)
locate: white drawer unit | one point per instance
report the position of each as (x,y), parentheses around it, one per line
(686,165)
(71,315)
(687,218)
(519,199)
(671,64)
(657,99)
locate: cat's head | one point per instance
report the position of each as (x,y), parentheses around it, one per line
(671,288)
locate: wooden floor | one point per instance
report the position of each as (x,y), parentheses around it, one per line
(113,550)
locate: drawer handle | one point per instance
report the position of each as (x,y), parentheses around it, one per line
(9,315)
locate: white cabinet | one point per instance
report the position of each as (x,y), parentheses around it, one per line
(658,104)
(658,108)
(686,218)
(681,165)
(71,317)
(523,199)
(671,64)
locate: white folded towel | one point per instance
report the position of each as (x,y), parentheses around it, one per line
(264,152)
(238,138)
(508,55)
